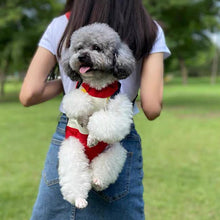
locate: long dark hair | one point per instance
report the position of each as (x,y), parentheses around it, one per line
(128,17)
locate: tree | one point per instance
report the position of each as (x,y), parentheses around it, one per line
(215,66)
(185,23)
(21,24)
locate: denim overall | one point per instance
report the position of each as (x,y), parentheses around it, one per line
(122,200)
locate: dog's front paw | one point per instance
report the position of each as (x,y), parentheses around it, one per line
(91,141)
(83,120)
(81,203)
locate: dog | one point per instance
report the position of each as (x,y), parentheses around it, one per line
(99,117)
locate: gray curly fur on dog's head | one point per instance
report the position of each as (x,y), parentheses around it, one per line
(97,50)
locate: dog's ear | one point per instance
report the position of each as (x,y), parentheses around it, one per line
(124,62)
(65,58)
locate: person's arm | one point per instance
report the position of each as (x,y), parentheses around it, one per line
(151,89)
(35,89)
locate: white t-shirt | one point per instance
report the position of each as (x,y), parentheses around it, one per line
(129,86)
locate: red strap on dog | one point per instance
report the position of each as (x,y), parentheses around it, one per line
(91,152)
(103,93)
(68,14)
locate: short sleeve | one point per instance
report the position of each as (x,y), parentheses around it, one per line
(160,43)
(47,39)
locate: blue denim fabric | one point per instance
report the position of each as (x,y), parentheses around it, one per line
(123,200)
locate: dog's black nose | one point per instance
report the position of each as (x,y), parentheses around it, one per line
(84,58)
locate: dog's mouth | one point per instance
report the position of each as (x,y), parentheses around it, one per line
(85,68)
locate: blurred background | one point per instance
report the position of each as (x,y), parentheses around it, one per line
(181,149)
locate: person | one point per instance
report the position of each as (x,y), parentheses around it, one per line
(124,199)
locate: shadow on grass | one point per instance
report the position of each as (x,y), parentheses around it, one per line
(9,97)
(203,102)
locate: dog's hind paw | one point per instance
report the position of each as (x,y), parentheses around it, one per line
(97,184)
(81,203)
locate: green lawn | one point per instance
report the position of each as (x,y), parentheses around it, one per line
(181,151)
(182,154)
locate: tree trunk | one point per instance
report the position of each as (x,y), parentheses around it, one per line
(214,68)
(2,83)
(3,77)
(184,71)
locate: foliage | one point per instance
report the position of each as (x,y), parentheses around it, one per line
(21,24)
(186,23)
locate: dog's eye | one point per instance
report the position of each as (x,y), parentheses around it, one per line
(96,47)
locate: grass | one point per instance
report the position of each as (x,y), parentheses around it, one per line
(180,149)
(181,155)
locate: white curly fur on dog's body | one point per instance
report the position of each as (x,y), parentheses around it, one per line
(106,120)
(114,124)
(109,122)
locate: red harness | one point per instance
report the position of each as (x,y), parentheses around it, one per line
(107,92)
(91,152)
(68,15)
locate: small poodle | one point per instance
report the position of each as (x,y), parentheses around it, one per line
(99,117)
